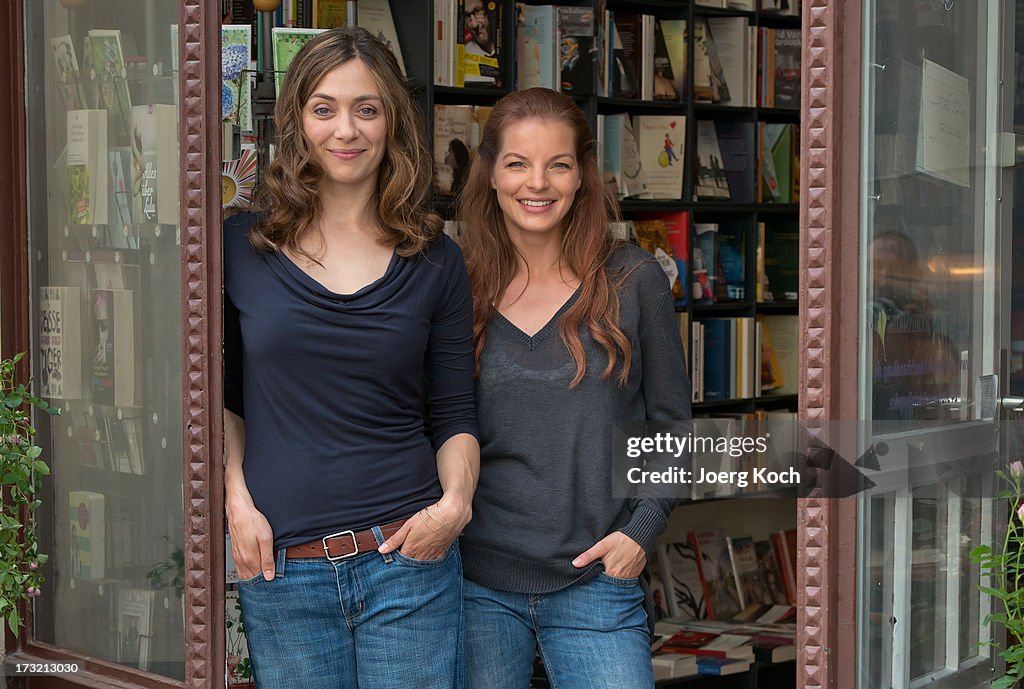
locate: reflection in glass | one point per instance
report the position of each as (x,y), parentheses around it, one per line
(876,648)
(915,372)
(922,222)
(970,576)
(928,580)
(103,214)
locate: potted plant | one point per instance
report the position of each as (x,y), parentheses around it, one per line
(1006,569)
(21,577)
(239,666)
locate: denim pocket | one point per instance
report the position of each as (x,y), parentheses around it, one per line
(413,562)
(252,580)
(618,581)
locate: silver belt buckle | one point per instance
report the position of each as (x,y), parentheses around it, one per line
(355,545)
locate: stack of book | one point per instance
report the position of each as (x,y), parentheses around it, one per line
(727,647)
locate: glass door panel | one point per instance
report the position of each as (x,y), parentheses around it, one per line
(935,324)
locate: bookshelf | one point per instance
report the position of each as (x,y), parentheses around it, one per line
(741,215)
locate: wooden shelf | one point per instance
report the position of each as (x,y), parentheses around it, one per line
(701,11)
(782,115)
(661,107)
(722,308)
(781,307)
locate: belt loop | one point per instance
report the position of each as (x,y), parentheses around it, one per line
(279,562)
(379,536)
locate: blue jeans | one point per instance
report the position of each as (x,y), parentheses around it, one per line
(591,635)
(369,622)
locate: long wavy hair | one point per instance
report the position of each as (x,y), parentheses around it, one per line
(289,196)
(493,260)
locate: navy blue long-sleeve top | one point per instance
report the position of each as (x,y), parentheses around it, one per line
(346,398)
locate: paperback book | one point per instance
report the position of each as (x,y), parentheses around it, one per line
(287,42)
(661,142)
(135,626)
(88,534)
(711,180)
(87,167)
(235,55)
(680,573)
(110,79)
(238,179)
(577,53)
(60,344)
(480,29)
(453,130)
(69,77)
(375,17)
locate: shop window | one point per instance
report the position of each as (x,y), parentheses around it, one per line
(105,292)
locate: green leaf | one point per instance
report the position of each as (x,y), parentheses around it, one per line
(981,550)
(40,467)
(1004,682)
(995,593)
(13,401)
(1013,655)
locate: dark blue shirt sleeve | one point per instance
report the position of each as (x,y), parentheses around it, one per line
(449,360)
(233,400)
(236,229)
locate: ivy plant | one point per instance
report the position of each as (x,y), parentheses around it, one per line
(21,578)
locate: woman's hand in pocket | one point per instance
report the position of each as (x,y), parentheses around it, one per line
(252,540)
(623,557)
(427,534)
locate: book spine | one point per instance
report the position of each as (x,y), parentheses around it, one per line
(782,557)
(460,45)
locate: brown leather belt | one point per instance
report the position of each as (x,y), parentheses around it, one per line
(343,544)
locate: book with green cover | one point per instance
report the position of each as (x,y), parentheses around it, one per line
(107,69)
(87,167)
(287,44)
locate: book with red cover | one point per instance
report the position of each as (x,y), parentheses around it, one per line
(677,225)
(708,644)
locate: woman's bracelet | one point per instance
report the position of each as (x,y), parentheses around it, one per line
(443,524)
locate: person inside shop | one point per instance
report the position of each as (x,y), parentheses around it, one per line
(350,421)
(915,364)
(574,332)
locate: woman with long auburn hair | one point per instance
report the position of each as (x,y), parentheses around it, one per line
(574,332)
(348,321)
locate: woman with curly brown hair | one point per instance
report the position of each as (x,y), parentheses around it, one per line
(350,431)
(574,332)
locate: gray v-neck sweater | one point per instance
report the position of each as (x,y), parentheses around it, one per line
(545,492)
